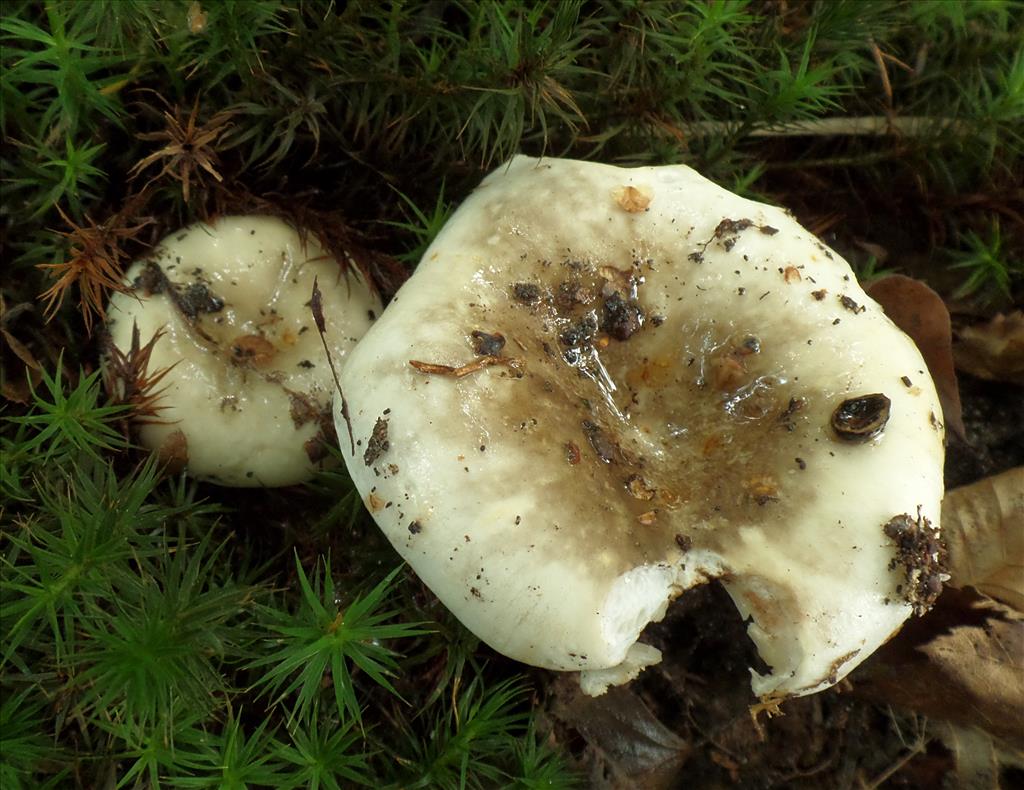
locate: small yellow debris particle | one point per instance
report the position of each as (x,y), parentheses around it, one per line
(638,488)
(196,18)
(632,199)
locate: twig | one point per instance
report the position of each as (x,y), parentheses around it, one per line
(897,766)
(465,370)
(870,158)
(853,126)
(913,749)
(316,304)
(876,53)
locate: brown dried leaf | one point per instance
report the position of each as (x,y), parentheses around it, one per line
(979,758)
(920,312)
(983,525)
(993,350)
(623,737)
(988,664)
(20,350)
(16,392)
(15,386)
(962,662)
(880,253)
(16,383)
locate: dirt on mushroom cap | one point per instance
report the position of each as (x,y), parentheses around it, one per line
(711,378)
(249,388)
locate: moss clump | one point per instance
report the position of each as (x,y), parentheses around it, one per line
(159,632)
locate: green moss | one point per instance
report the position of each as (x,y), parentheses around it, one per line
(157,631)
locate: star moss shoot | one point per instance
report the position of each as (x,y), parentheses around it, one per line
(157,631)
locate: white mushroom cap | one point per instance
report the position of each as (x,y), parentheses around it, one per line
(250,381)
(660,415)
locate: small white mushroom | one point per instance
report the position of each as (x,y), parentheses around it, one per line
(604,386)
(249,384)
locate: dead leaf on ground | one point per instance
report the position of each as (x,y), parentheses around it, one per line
(16,392)
(16,383)
(877,251)
(983,526)
(962,662)
(625,741)
(20,350)
(993,350)
(920,312)
(978,758)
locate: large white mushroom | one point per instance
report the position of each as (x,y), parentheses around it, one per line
(603,386)
(249,383)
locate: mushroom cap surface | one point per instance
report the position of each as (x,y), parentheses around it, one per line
(249,390)
(690,386)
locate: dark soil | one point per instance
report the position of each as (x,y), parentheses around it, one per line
(994,418)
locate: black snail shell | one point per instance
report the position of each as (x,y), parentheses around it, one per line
(862,418)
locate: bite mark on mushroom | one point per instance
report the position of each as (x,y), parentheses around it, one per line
(722,407)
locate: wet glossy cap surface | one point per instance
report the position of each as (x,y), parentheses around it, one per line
(249,394)
(661,410)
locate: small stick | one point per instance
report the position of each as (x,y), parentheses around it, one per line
(853,126)
(877,54)
(464,370)
(316,304)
